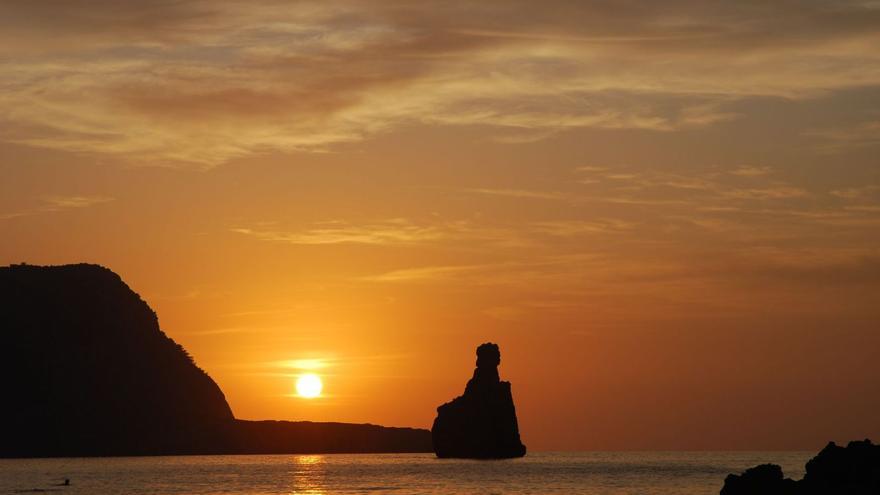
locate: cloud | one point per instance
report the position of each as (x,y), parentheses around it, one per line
(324,362)
(248,329)
(52,204)
(65,202)
(394,231)
(302,364)
(777,192)
(401,231)
(751,171)
(521,193)
(707,189)
(429,273)
(613,272)
(200,83)
(569,228)
(864,208)
(855,136)
(857,193)
(829,267)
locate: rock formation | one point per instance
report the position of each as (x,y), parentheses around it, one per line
(85,370)
(766,479)
(481,424)
(850,470)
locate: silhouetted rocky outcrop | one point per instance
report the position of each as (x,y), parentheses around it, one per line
(86,371)
(850,470)
(481,424)
(765,479)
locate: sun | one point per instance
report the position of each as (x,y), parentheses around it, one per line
(309,386)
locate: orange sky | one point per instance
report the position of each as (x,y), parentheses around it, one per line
(667,216)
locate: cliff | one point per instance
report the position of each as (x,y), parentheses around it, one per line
(481,423)
(86,371)
(850,470)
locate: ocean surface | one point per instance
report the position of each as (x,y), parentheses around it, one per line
(612,473)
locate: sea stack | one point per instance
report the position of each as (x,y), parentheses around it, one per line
(481,424)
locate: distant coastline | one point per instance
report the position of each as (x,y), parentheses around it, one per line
(89,372)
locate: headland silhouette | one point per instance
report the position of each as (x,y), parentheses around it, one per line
(86,371)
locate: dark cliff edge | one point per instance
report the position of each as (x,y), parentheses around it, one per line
(481,423)
(86,371)
(850,470)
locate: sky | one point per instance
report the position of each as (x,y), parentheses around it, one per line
(666,213)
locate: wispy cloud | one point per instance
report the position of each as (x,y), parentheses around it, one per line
(401,231)
(302,364)
(751,171)
(66,202)
(698,188)
(50,204)
(325,362)
(248,329)
(394,231)
(857,193)
(521,194)
(855,136)
(423,273)
(199,82)
(568,228)
(777,192)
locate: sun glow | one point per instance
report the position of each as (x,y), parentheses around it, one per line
(309,386)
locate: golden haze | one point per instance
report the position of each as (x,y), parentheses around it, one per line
(668,217)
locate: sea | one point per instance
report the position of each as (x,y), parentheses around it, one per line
(594,473)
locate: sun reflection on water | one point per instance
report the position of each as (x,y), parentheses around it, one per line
(308,475)
(308,460)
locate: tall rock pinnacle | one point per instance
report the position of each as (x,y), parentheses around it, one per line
(481,424)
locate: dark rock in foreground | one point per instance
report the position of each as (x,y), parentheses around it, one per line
(481,424)
(765,479)
(850,470)
(86,371)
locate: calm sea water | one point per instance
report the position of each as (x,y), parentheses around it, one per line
(612,473)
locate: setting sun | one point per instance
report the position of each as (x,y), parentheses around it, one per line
(309,386)
(666,214)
